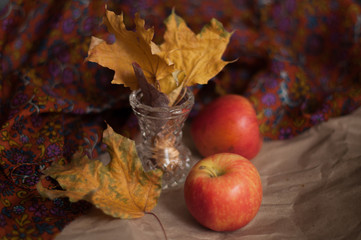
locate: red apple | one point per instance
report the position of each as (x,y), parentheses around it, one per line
(223,192)
(227,124)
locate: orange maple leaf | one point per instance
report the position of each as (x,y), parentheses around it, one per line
(121,189)
(129,46)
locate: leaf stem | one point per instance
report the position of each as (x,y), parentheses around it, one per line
(160,223)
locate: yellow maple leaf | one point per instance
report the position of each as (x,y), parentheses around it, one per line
(198,56)
(130,46)
(120,189)
(184,59)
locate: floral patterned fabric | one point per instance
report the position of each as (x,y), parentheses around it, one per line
(298,63)
(49,107)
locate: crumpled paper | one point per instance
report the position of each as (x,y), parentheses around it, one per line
(311,190)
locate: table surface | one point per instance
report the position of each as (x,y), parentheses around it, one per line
(311,190)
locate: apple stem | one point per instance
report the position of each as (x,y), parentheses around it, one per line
(210,171)
(160,223)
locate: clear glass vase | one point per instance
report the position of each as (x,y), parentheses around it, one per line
(161,145)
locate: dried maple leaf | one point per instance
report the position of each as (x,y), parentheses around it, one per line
(130,46)
(198,56)
(183,60)
(120,189)
(151,95)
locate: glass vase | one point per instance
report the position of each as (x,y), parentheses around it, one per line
(160,144)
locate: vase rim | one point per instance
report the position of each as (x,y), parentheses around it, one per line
(135,96)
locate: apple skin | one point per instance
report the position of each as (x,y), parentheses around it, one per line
(227,124)
(223,192)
